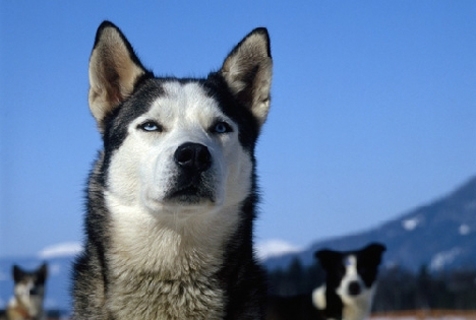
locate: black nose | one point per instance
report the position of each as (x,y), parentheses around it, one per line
(193,156)
(354,288)
(34,291)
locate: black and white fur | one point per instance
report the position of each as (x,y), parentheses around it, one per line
(351,280)
(172,197)
(347,293)
(29,294)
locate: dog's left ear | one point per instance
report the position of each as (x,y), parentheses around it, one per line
(374,252)
(247,71)
(375,247)
(42,273)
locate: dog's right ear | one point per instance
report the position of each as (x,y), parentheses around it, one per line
(114,70)
(327,258)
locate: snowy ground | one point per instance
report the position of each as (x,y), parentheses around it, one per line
(427,315)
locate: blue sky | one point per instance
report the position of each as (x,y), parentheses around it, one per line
(373,110)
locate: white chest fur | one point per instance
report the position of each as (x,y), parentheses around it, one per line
(164,266)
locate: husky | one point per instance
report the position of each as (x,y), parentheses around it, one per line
(29,294)
(172,197)
(348,291)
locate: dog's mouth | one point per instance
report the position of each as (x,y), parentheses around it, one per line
(34,292)
(193,191)
(191,195)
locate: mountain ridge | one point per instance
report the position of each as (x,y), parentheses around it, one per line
(446,227)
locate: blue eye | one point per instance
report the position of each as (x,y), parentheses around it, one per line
(150,126)
(221,127)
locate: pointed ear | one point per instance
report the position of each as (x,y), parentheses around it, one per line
(374,252)
(42,273)
(326,258)
(18,273)
(114,69)
(247,71)
(375,247)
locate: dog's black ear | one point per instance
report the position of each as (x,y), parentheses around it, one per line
(375,247)
(327,258)
(374,252)
(18,273)
(42,273)
(114,70)
(247,71)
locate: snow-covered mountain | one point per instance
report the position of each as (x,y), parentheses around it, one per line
(274,248)
(67,249)
(440,235)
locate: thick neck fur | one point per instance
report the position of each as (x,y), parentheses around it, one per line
(358,308)
(168,259)
(18,310)
(170,243)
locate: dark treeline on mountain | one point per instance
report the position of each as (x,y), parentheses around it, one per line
(398,289)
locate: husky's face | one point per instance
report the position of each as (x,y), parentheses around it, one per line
(182,151)
(30,288)
(178,145)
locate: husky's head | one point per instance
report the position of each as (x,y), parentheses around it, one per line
(177,145)
(30,289)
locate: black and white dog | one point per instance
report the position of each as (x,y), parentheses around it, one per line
(350,281)
(347,293)
(29,294)
(172,196)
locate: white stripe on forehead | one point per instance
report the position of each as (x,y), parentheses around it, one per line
(185,101)
(350,263)
(192,90)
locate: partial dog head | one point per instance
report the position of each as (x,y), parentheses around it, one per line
(177,145)
(350,279)
(29,291)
